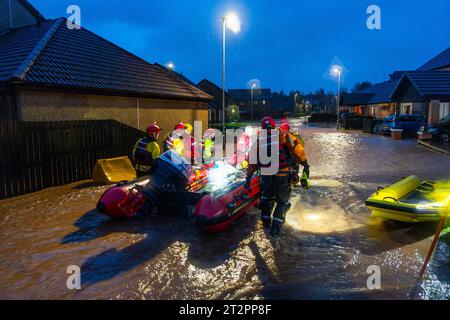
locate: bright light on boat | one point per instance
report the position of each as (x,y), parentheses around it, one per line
(220,176)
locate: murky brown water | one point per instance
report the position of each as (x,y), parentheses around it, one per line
(327,244)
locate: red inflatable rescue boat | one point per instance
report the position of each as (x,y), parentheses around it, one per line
(212,195)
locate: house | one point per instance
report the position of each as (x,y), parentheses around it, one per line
(175,74)
(281,104)
(215,111)
(373,101)
(428,88)
(15,14)
(50,72)
(261,102)
(423,91)
(439,63)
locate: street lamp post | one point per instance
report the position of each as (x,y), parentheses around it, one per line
(337,72)
(295,102)
(251,100)
(232,22)
(224,23)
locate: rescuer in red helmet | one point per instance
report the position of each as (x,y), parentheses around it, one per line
(182,142)
(147,150)
(276,188)
(295,167)
(174,140)
(285,127)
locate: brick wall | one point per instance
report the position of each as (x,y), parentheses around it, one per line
(48,106)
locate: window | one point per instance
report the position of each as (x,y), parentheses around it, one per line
(406,109)
(209,115)
(444,109)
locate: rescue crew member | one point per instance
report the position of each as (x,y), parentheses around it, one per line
(147,150)
(175,141)
(276,189)
(208,145)
(295,167)
(287,128)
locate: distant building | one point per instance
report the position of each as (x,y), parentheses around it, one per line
(282,105)
(439,63)
(49,72)
(175,74)
(376,100)
(425,91)
(215,109)
(262,102)
(22,14)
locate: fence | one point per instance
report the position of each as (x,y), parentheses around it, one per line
(38,155)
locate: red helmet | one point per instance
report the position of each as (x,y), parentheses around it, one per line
(180,126)
(153,130)
(210,133)
(268,123)
(285,127)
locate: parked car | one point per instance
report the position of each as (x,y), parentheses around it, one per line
(410,123)
(350,120)
(440,131)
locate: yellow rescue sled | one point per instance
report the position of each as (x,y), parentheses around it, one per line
(109,171)
(410,200)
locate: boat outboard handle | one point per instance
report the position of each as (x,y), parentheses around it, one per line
(122,183)
(137,187)
(243,195)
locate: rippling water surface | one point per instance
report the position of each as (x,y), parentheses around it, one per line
(327,245)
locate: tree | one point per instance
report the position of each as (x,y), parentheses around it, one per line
(361,86)
(233,113)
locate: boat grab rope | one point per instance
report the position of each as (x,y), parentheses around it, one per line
(426,187)
(390,198)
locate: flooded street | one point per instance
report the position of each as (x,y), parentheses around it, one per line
(327,244)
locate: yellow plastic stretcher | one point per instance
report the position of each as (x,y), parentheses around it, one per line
(410,200)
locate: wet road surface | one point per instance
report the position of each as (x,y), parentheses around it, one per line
(327,244)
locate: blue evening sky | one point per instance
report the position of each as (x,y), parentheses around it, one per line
(286,44)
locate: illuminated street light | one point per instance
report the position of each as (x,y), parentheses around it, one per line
(336,70)
(170,66)
(232,22)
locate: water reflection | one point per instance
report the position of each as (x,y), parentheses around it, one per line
(326,247)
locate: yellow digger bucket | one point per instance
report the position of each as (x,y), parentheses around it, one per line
(109,171)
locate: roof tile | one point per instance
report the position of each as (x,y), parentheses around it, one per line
(82,59)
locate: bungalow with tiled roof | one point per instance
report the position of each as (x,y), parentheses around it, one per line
(429,88)
(51,72)
(425,91)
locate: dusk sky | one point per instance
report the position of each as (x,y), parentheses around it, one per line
(286,45)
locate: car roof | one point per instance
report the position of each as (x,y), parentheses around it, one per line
(410,115)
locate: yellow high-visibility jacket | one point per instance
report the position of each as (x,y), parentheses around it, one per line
(150,147)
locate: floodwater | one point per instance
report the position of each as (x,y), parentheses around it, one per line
(327,244)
